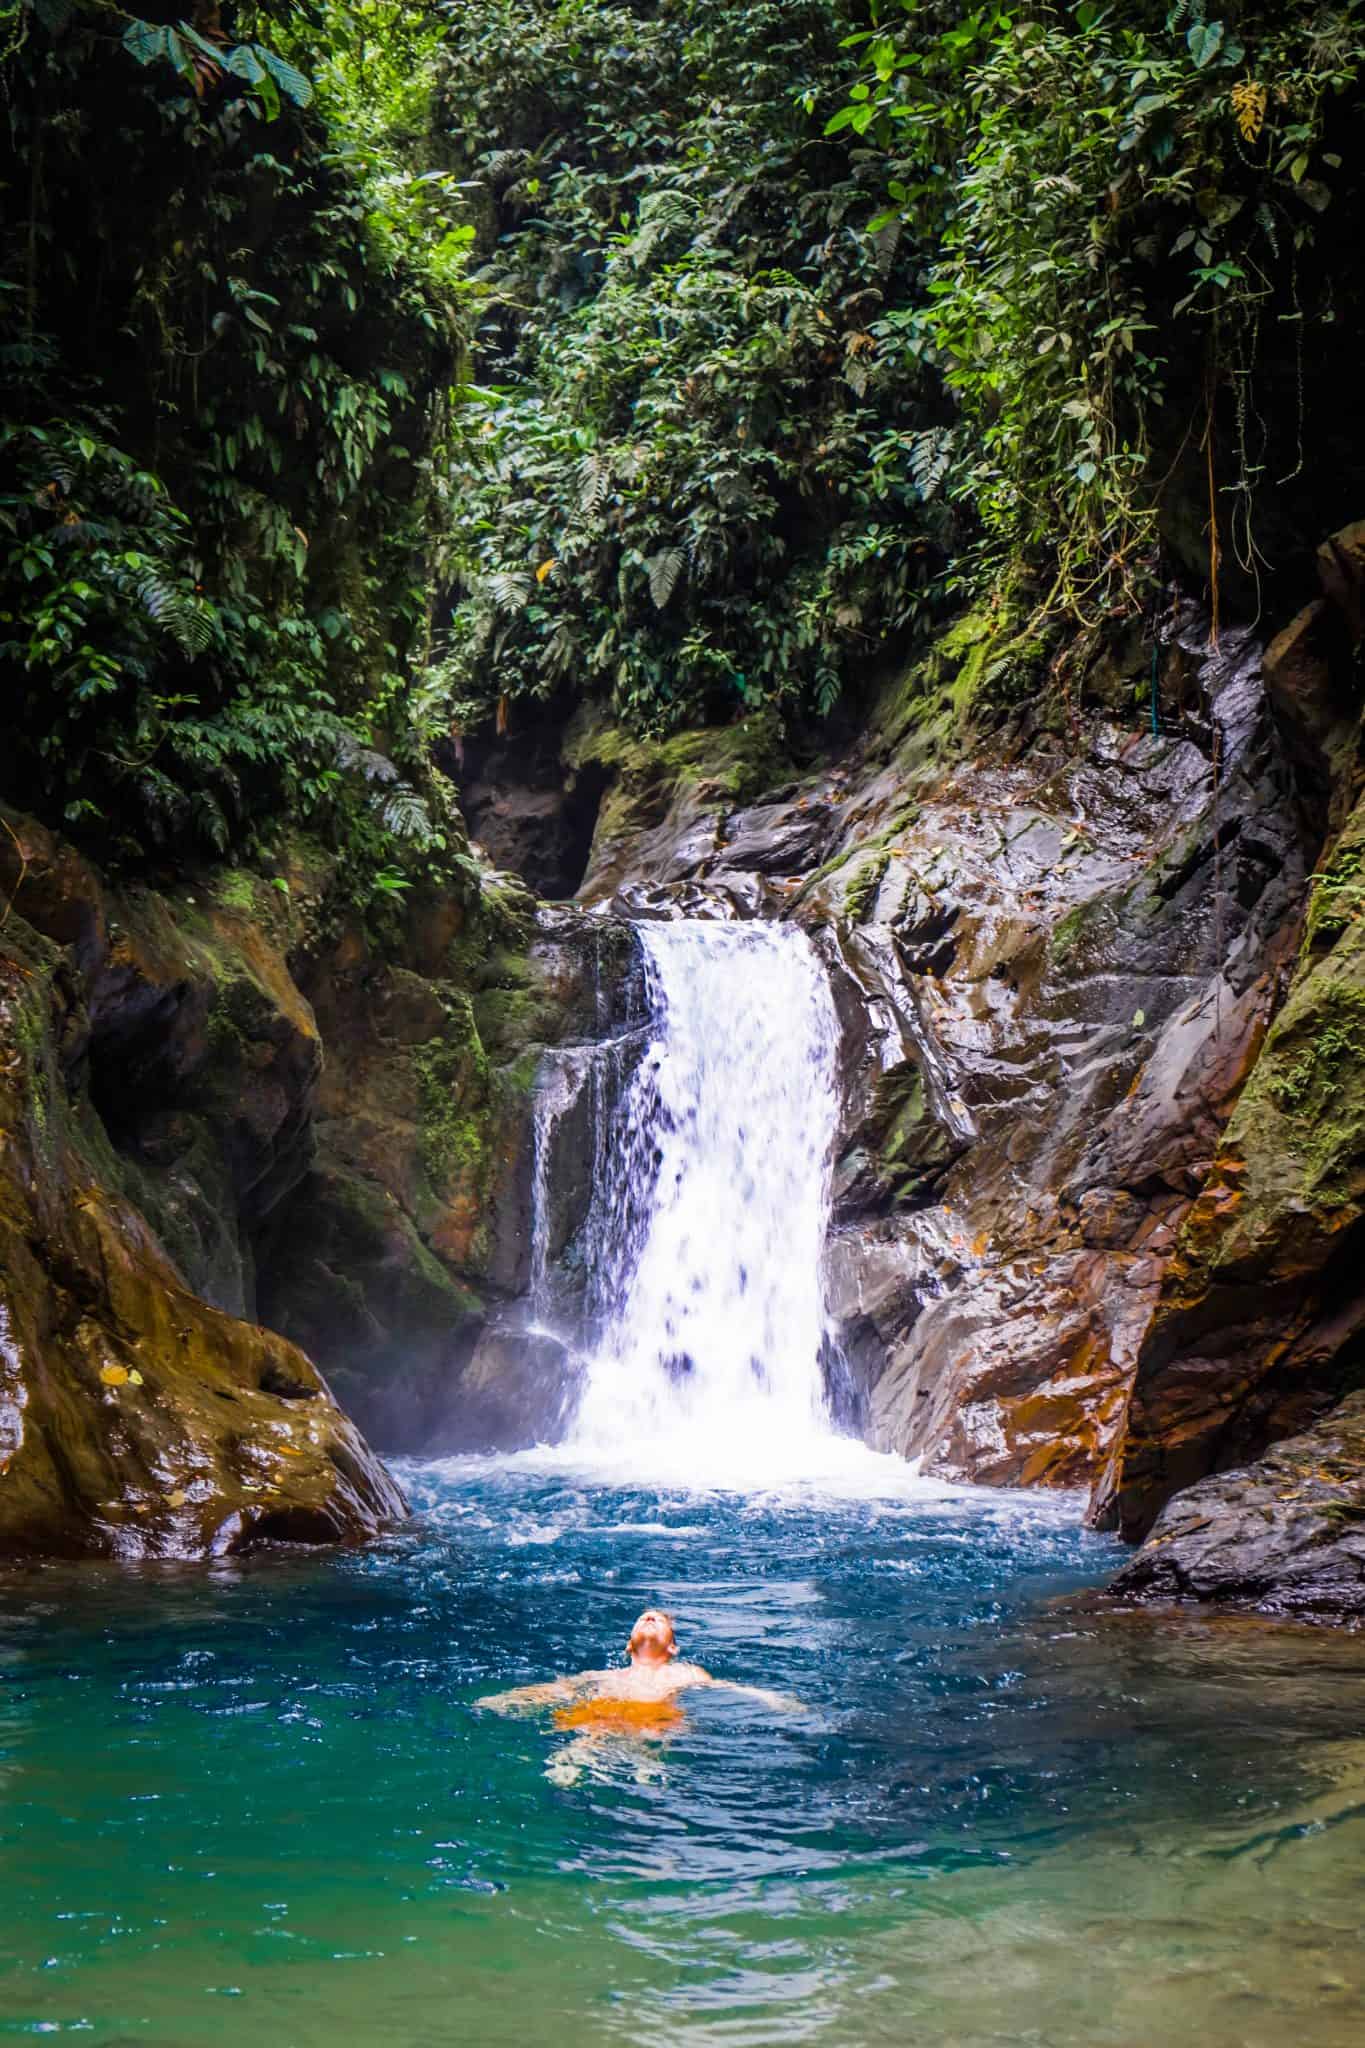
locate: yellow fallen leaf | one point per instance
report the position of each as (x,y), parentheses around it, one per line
(543,571)
(135,1378)
(113,1375)
(176,1499)
(289,1450)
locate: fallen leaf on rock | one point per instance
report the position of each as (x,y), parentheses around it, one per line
(177,1499)
(113,1375)
(135,1378)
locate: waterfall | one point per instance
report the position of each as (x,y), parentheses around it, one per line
(707,1232)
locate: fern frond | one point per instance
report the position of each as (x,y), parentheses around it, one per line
(404,813)
(664,570)
(594,480)
(930,455)
(509,590)
(189,620)
(352,755)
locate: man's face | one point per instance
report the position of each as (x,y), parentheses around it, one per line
(651,1639)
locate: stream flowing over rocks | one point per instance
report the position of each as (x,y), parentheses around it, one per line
(1096,1186)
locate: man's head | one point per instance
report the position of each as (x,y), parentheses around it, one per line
(651,1639)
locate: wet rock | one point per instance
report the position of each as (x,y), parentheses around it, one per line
(533,815)
(777,839)
(351,1281)
(202,1056)
(519,1388)
(136,1420)
(902,1124)
(1341,572)
(1063,968)
(1261,1319)
(413,1237)
(1285,1535)
(664,811)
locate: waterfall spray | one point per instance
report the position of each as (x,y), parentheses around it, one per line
(708,1226)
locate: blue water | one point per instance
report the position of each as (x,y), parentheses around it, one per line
(255,1804)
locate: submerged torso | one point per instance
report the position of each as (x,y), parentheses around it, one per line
(636,1697)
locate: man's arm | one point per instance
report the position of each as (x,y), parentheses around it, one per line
(524,1698)
(781,1702)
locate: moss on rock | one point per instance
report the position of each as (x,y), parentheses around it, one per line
(135,1419)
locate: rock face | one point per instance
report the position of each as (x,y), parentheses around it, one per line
(1066,966)
(403,1261)
(139,1417)
(1286,1535)
(1054,965)
(1260,1326)
(198,1201)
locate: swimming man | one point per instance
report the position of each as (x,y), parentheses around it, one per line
(637,1700)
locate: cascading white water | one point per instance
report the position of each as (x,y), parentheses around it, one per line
(708,1232)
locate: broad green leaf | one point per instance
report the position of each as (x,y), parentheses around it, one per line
(291,82)
(1205,40)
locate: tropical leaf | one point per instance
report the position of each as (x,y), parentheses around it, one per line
(1205,40)
(291,82)
(509,590)
(244,62)
(930,455)
(664,570)
(594,480)
(404,813)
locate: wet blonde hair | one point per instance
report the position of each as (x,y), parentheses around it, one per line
(639,1633)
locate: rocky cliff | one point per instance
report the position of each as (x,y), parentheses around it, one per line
(240,1141)
(1099,1169)
(156,1076)
(1099,1183)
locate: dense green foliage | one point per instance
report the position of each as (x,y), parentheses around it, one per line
(1142,223)
(227,337)
(755,407)
(377,368)
(695,488)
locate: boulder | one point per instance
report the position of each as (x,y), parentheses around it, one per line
(1285,1535)
(136,1419)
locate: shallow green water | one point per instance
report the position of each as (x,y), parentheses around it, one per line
(252,1806)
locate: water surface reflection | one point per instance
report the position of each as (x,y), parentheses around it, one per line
(254,1804)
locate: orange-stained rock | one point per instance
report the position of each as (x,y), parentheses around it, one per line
(1341,572)
(1262,1313)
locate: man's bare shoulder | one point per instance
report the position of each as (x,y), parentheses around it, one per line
(690,1674)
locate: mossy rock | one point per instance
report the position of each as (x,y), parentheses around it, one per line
(354,1284)
(135,1419)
